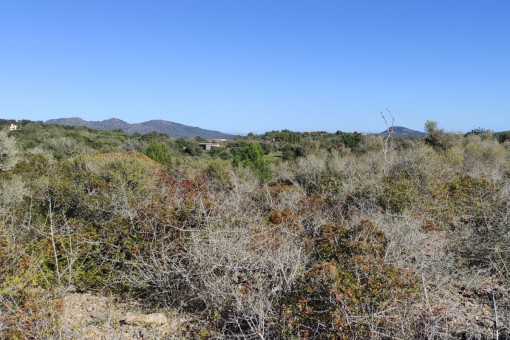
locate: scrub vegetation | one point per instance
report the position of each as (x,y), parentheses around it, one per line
(339,236)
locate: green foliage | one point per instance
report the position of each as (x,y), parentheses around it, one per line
(503,136)
(398,194)
(252,156)
(430,126)
(288,136)
(95,204)
(225,155)
(218,173)
(267,147)
(188,146)
(477,131)
(350,140)
(159,152)
(154,136)
(32,166)
(290,152)
(63,142)
(468,196)
(439,140)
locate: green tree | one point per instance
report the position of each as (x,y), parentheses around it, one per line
(436,137)
(430,126)
(252,156)
(503,136)
(188,146)
(158,152)
(350,140)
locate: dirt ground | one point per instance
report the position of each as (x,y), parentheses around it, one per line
(91,316)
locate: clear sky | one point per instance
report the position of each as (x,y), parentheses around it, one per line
(258,65)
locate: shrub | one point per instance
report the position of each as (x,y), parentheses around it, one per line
(252,156)
(218,173)
(159,152)
(349,292)
(27,311)
(439,140)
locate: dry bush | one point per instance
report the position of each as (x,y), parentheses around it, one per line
(218,255)
(131,180)
(425,252)
(348,290)
(485,158)
(12,193)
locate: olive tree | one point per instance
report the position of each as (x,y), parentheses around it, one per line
(9,152)
(430,126)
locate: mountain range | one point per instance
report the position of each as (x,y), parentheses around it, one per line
(175,130)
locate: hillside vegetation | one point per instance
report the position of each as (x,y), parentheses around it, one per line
(284,235)
(161,126)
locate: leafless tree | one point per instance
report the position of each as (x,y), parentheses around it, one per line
(389,132)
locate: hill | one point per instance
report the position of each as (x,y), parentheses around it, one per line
(402,132)
(175,130)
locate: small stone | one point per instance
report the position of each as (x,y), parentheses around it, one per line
(487,323)
(144,334)
(156,318)
(92,333)
(71,289)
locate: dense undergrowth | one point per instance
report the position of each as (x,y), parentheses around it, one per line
(335,240)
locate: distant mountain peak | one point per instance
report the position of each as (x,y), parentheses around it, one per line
(74,120)
(116,120)
(175,130)
(401,131)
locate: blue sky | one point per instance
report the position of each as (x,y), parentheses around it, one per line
(258,65)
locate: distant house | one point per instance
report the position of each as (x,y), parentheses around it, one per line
(13,127)
(209,146)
